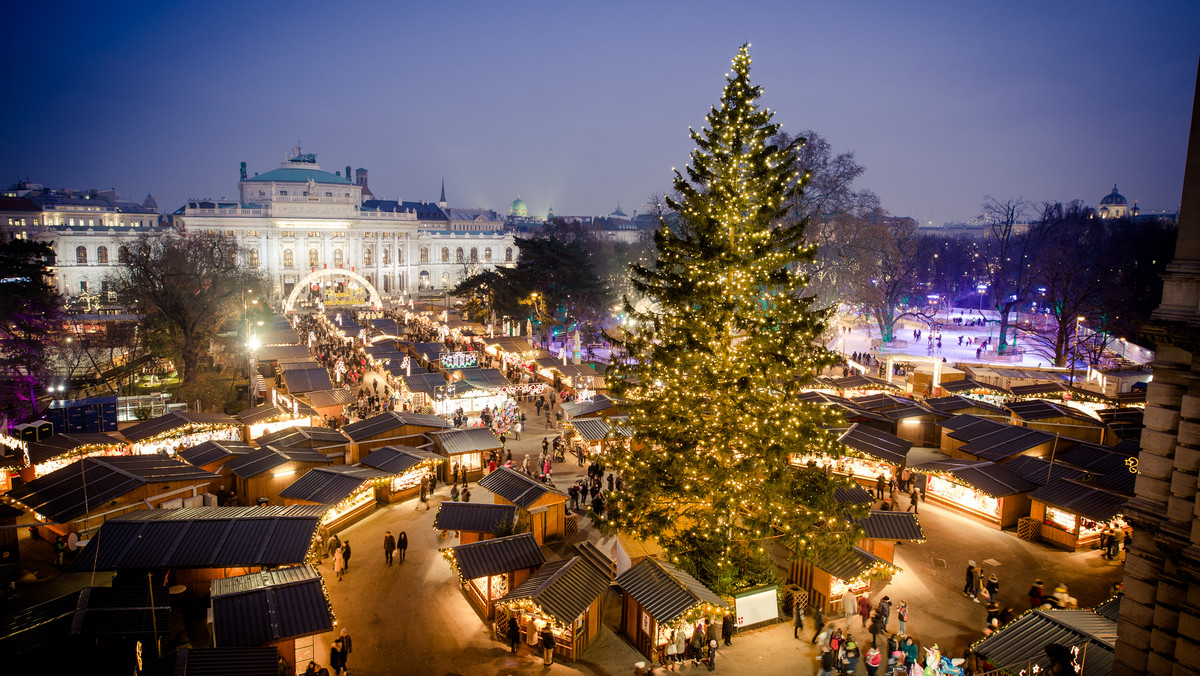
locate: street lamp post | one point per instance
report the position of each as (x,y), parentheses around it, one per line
(1075,355)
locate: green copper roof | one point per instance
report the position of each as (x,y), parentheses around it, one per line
(289,175)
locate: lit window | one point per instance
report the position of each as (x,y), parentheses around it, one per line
(283,192)
(81,255)
(253,257)
(474,255)
(458,255)
(122,255)
(312,258)
(487,255)
(289,259)
(424,254)
(368,256)
(337,257)
(102,255)
(445,254)
(508,254)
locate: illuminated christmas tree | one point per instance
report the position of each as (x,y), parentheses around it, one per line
(718,360)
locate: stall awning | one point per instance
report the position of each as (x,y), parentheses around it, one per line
(562,589)
(311,437)
(970,385)
(466,440)
(473,517)
(950,404)
(484,379)
(517,488)
(269,606)
(397,460)
(889,525)
(852,495)
(175,420)
(263,413)
(307,380)
(596,429)
(331,485)
(269,457)
(872,442)
(428,383)
(576,409)
(335,397)
(1007,442)
(1024,640)
(851,565)
(67,444)
(664,591)
(212,451)
(497,556)
(391,420)
(1088,501)
(984,476)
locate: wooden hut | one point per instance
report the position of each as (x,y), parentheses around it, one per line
(1039,414)
(329,403)
(330,442)
(657,599)
(467,449)
(961,429)
(882,530)
(268,417)
(390,428)
(956,404)
(978,488)
(178,430)
(60,450)
(214,456)
(543,506)
(264,473)
(346,491)
(566,595)
(407,466)
(473,521)
(1073,514)
(827,578)
(489,569)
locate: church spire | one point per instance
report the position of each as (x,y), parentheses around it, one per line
(442,201)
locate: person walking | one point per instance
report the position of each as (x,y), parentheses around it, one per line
(402,545)
(876,629)
(346,554)
(849,607)
(850,655)
(971,587)
(913,498)
(880,485)
(339,564)
(337,657)
(696,644)
(885,610)
(712,655)
(389,546)
(547,645)
(424,496)
(828,662)
(797,620)
(466,494)
(993,588)
(514,632)
(902,616)
(873,660)
(727,628)
(347,648)
(864,609)
(818,623)
(1035,594)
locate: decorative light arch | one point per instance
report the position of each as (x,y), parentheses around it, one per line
(376,300)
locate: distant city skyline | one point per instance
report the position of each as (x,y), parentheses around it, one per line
(584,107)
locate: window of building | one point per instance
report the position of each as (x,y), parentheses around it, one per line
(81,255)
(253,256)
(229,232)
(83,286)
(123,255)
(104,286)
(287,233)
(487,255)
(71,221)
(261,192)
(339,234)
(508,254)
(337,257)
(283,192)
(445,254)
(387,255)
(458,255)
(252,233)
(424,254)
(387,283)
(289,259)
(368,256)
(329,194)
(312,258)
(445,279)
(102,255)
(474,255)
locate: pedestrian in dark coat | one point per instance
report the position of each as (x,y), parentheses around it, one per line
(993,588)
(346,554)
(880,484)
(885,610)
(877,628)
(818,623)
(913,498)
(389,546)
(424,496)
(514,632)
(402,544)
(864,610)
(1035,594)
(547,645)
(337,657)
(971,588)
(727,628)
(797,620)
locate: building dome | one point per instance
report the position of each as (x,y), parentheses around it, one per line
(519,208)
(1114,198)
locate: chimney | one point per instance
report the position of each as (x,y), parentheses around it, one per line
(347,172)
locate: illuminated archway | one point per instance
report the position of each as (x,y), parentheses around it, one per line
(376,300)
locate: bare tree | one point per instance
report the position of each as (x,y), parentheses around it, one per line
(885,272)
(1008,258)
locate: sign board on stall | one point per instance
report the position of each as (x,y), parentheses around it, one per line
(756,606)
(459,360)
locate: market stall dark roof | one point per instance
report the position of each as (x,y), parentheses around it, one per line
(576,409)
(203,537)
(967,428)
(260,414)
(1023,640)
(596,429)
(1006,442)
(1111,608)
(123,611)
(1041,471)
(852,495)
(473,517)
(851,565)
(599,558)
(862,382)
(882,402)
(889,525)
(310,437)
(429,383)
(497,555)
(262,661)
(982,475)
(279,352)
(429,351)
(956,402)
(1033,390)
(338,396)
(877,444)
(301,380)
(269,606)
(65,444)
(466,440)
(562,589)
(1040,409)
(1086,500)
(485,379)
(69,493)
(1126,423)
(24,630)
(390,420)
(664,591)
(397,460)
(970,385)
(331,485)
(516,487)
(906,412)
(816,397)
(510,344)
(174,420)
(212,451)
(268,458)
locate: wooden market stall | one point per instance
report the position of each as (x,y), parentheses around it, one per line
(595,435)
(473,521)
(826,579)
(978,488)
(263,473)
(566,595)
(81,496)
(489,569)
(593,408)
(1039,414)
(914,423)
(467,449)
(267,418)
(956,404)
(330,442)
(407,466)
(329,403)
(872,454)
(346,491)
(882,530)
(60,450)
(542,505)
(1009,442)
(1073,514)
(178,430)
(214,456)
(961,429)
(657,599)
(388,429)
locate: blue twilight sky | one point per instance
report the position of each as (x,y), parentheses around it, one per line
(580,105)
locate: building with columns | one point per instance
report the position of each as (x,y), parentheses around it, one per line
(1159,629)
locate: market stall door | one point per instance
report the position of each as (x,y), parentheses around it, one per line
(537,523)
(645,630)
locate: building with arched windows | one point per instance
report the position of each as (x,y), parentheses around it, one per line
(290,221)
